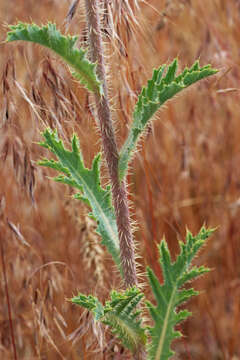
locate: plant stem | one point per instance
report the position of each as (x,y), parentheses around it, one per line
(110,150)
(119,192)
(8,300)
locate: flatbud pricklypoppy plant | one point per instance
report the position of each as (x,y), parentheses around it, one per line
(122,312)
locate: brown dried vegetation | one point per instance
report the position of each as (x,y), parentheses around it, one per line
(187,173)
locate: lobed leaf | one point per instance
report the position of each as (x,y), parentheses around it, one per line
(159,89)
(170,294)
(120,314)
(64,46)
(87,181)
(90,303)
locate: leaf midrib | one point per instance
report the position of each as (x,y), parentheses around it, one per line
(76,175)
(165,325)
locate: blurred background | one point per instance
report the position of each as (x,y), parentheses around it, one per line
(186,174)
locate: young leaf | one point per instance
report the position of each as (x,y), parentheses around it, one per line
(64,46)
(119,314)
(159,89)
(87,181)
(170,294)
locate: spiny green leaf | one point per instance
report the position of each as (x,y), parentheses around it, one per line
(87,181)
(90,303)
(159,89)
(170,294)
(64,46)
(120,314)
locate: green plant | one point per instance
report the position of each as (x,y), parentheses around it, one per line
(109,205)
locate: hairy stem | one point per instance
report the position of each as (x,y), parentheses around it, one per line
(110,150)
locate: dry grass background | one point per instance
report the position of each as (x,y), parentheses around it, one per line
(187,173)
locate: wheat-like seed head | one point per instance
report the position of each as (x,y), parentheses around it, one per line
(91,251)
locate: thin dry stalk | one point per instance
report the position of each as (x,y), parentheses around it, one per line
(8,301)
